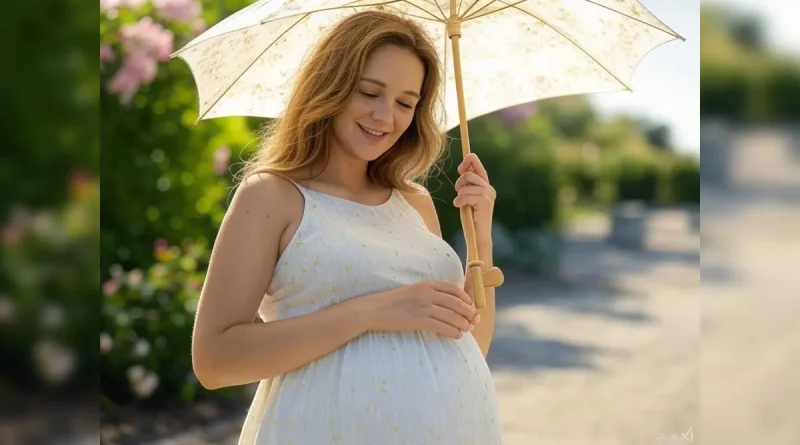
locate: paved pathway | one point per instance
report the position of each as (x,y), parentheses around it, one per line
(751,334)
(612,359)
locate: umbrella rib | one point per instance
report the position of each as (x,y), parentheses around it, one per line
(669,30)
(573,42)
(255,59)
(475,16)
(436,2)
(434,18)
(471,5)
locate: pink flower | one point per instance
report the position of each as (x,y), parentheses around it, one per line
(106,5)
(178,10)
(11,233)
(199,25)
(106,54)
(125,83)
(161,244)
(144,67)
(145,42)
(110,287)
(148,37)
(106,342)
(222,159)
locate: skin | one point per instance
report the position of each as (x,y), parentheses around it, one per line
(228,349)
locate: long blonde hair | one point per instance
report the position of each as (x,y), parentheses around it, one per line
(325,84)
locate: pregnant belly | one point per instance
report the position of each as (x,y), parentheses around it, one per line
(389,388)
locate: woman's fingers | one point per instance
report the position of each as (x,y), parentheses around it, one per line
(449,316)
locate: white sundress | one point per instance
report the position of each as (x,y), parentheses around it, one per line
(381,388)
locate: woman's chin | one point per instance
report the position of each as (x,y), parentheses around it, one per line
(369,153)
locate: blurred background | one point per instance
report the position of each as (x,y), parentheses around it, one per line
(49,222)
(750,211)
(602,337)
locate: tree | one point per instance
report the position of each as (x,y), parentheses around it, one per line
(747,31)
(658,135)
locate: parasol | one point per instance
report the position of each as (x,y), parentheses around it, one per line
(516,51)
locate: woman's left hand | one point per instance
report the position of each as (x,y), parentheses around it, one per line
(473,189)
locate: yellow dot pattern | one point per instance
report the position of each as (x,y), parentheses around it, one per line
(424,385)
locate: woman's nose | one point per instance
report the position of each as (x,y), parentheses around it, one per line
(382,112)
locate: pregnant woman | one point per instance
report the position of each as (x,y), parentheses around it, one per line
(369,336)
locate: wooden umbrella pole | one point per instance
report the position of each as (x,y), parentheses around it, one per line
(474,263)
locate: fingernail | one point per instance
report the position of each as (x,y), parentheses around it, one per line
(471,327)
(477,318)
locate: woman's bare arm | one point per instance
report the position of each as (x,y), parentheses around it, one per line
(228,348)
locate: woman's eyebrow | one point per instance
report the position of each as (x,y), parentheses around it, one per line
(383,84)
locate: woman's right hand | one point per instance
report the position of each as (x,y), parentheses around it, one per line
(435,306)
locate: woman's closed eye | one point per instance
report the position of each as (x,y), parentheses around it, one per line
(372,96)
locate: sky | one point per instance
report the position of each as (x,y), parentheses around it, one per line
(782,32)
(666,84)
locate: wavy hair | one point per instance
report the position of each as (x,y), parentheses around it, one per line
(323,88)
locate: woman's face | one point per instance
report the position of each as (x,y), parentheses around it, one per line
(383,104)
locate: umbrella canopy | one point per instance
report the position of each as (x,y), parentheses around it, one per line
(512,52)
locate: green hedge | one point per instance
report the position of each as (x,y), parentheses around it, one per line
(745,84)
(653,179)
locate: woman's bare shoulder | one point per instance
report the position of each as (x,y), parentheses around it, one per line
(268,195)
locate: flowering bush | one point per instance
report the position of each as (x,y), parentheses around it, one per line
(143,43)
(164,178)
(178,172)
(146,324)
(49,294)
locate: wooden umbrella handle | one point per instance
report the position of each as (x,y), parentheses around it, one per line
(473,262)
(476,266)
(481,277)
